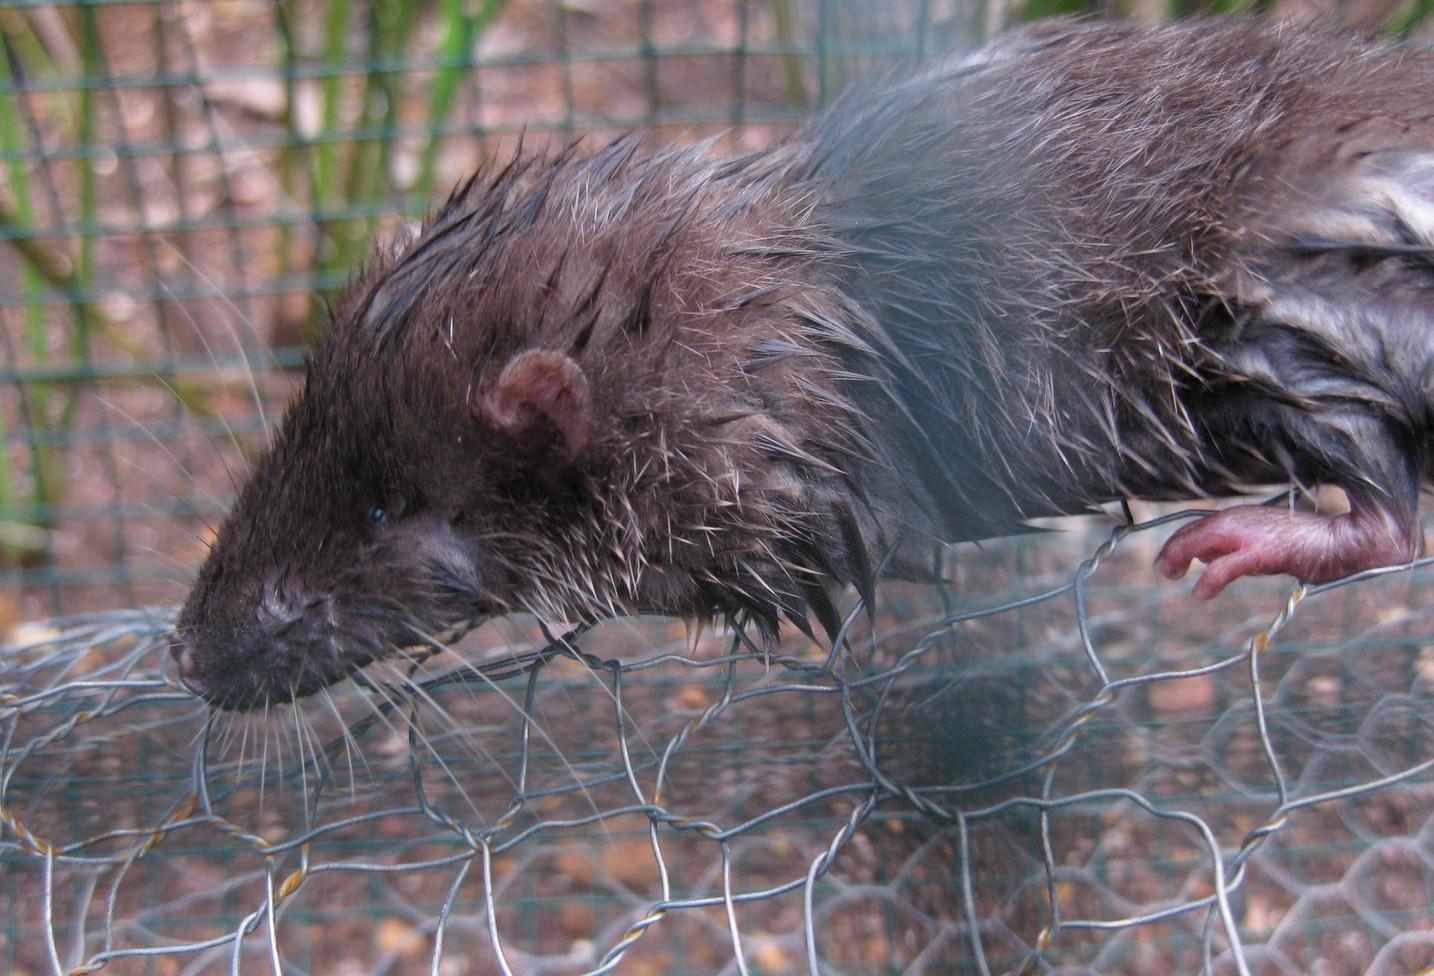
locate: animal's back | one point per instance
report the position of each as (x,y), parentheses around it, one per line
(1121,261)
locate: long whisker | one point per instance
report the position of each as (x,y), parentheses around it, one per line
(532,720)
(218,289)
(350,743)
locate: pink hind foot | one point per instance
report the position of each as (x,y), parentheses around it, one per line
(1259,540)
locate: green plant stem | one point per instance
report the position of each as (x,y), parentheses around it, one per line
(336,22)
(460,31)
(324,190)
(46,459)
(786,22)
(368,158)
(1404,26)
(19,180)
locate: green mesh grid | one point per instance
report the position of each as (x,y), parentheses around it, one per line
(185,184)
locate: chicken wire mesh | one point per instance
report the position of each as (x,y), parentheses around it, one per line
(1052,766)
(1059,771)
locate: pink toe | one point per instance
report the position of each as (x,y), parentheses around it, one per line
(1255,540)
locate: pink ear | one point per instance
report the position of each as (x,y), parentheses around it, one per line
(539,386)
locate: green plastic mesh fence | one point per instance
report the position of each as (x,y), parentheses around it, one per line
(186,182)
(1054,766)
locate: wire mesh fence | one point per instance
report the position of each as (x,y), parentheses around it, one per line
(1058,771)
(1053,766)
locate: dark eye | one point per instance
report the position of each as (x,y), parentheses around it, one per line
(393,507)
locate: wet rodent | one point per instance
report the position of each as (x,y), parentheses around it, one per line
(1094,261)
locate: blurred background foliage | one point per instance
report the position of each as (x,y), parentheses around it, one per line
(184,185)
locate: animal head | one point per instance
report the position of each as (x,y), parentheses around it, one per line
(584,389)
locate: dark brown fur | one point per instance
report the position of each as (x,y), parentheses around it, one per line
(1094,262)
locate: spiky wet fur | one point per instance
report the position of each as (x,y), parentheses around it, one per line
(1094,261)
